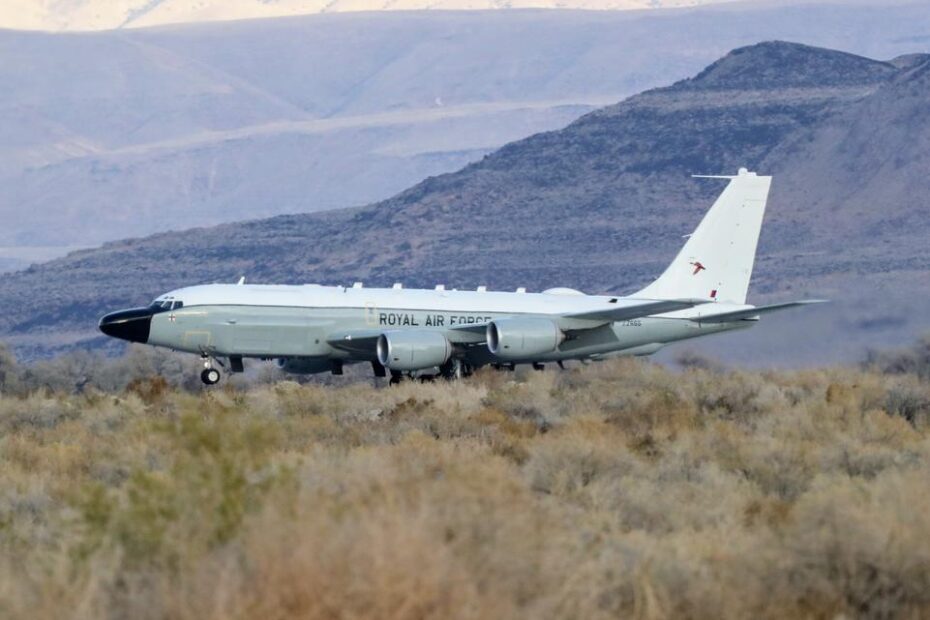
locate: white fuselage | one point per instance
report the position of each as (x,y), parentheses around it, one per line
(279,321)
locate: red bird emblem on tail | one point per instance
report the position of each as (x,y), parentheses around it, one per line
(698,267)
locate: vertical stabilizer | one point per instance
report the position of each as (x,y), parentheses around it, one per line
(716,262)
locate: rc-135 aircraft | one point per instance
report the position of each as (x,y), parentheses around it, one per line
(410,332)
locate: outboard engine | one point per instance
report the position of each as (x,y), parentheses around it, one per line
(523,338)
(410,350)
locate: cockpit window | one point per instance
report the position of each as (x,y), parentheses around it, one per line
(163,305)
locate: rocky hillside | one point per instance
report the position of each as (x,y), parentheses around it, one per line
(176,127)
(602,206)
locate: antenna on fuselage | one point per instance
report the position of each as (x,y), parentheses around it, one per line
(241,281)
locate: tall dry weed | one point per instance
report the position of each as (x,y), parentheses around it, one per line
(620,489)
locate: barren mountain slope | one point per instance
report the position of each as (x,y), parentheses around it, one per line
(169,128)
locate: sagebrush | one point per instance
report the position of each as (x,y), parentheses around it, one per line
(622,489)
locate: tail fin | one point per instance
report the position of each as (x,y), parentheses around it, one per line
(716,262)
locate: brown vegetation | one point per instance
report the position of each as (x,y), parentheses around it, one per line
(616,490)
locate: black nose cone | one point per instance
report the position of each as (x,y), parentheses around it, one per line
(132,325)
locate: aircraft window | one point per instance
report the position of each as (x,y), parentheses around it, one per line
(177,304)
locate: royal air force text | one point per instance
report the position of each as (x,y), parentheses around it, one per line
(406,319)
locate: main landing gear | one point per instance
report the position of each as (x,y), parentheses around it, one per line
(452,370)
(456,369)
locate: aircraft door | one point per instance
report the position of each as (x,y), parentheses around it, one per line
(371,315)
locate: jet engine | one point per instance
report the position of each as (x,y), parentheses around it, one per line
(413,349)
(304,365)
(523,338)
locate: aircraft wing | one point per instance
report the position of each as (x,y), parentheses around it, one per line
(739,315)
(359,341)
(645,308)
(473,328)
(364,342)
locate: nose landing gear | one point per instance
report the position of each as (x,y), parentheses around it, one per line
(210,376)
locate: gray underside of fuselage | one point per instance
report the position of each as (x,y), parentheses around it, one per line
(293,332)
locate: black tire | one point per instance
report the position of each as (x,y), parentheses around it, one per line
(210,376)
(456,370)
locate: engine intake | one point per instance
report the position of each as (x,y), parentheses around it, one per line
(413,349)
(523,338)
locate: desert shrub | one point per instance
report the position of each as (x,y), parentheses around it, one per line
(570,459)
(621,489)
(909,402)
(77,371)
(693,360)
(149,389)
(529,397)
(217,472)
(861,548)
(9,371)
(742,397)
(914,360)
(37,412)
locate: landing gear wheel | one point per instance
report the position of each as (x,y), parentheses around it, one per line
(396,378)
(455,369)
(210,376)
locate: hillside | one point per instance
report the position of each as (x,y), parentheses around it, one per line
(83,15)
(601,205)
(159,129)
(611,491)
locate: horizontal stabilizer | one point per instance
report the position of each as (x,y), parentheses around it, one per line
(749,313)
(637,311)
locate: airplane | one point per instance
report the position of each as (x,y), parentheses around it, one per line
(311,328)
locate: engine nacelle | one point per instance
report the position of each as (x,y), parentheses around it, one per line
(304,365)
(523,338)
(413,349)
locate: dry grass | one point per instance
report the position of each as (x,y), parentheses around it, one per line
(618,490)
